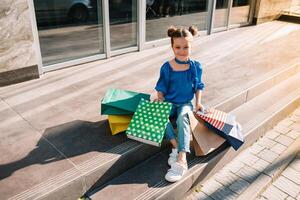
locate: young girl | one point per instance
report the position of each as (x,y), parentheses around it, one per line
(180,79)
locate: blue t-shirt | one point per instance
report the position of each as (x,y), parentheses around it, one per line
(179,86)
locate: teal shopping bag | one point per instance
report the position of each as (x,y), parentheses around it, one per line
(149,122)
(121,102)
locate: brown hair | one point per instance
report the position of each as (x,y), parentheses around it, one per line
(182,32)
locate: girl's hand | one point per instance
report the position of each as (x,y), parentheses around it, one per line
(159,97)
(158,100)
(200,107)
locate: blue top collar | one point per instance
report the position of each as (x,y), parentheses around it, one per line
(182,62)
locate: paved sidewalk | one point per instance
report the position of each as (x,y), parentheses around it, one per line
(257,165)
(287,185)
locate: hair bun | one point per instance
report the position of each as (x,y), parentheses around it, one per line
(193,30)
(171,30)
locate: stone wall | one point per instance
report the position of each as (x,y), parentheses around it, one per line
(268,10)
(18,60)
(295,3)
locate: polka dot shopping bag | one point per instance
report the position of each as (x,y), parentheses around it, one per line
(149,122)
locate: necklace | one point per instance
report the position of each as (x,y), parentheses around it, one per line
(182,62)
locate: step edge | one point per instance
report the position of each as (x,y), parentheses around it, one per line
(273,80)
(286,97)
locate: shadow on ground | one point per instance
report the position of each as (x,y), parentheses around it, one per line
(66,141)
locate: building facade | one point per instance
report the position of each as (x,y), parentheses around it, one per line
(38,36)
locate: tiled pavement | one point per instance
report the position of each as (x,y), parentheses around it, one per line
(287,185)
(255,166)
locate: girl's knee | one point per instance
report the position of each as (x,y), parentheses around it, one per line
(182,120)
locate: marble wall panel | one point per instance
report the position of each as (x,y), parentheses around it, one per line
(16,39)
(268,10)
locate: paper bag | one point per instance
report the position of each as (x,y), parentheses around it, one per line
(149,122)
(225,125)
(121,102)
(118,123)
(204,140)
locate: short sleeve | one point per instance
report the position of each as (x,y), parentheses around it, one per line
(199,85)
(162,83)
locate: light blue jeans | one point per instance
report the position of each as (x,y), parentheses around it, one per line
(183,126)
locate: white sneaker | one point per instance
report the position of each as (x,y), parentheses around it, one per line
(173,157)
(176,172)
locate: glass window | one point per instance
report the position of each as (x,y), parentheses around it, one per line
(69,29)
(123,23)
(221,14)
(161,14)
(240,11)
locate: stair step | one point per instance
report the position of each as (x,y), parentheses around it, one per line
(256,116)
(118,158)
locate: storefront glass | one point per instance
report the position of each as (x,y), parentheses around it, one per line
(73,29)
(123,23)
(69,29)
(221,14)
(161,14)
(240,11)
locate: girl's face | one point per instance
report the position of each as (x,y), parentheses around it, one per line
(182,48)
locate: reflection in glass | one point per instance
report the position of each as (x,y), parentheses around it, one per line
(123,23)
(69,29)
(221,14)
(240,11)
(161,14)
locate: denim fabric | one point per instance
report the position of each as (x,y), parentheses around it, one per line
(183,126)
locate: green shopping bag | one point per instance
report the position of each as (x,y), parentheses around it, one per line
(121,102)
(149,122)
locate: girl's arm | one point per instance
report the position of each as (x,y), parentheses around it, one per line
(162,84)
(199,86)
(199,105)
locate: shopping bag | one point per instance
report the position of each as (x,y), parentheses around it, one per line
(121,102)
(225,125)
(149,122)
(204,140)
(118,123)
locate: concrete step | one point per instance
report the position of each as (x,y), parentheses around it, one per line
(146,180)
(123,154)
